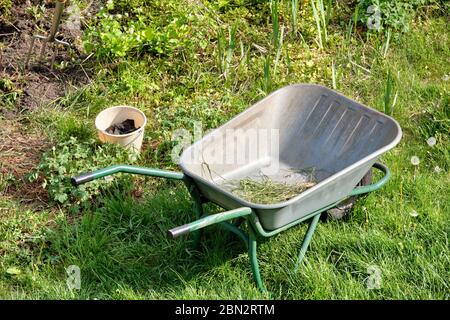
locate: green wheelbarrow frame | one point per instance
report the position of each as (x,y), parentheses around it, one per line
(239,215)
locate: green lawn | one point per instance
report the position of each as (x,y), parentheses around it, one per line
(119,241)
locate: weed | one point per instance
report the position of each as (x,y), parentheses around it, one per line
(6,85)
(117,35)
(6,179)
(279,50)
(5,7)
(356,16)
(395,15)
(68,127)
(275,22)
(434,123)
(322,14)
(9,93)
(37,11)
(387,43)
(267,80)
(226,50)
(389,99)
(70,158)
(294,14)
(333,76)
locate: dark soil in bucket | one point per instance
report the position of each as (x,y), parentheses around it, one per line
(123,127)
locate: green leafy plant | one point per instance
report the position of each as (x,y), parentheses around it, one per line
(9,93)
(6,85)
(5,7)
(117,35)
(396,15)
(71,158)
(37,11)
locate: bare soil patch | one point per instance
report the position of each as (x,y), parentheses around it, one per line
(20,154)
(39,83)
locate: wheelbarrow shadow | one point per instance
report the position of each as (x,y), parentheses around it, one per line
(123,245)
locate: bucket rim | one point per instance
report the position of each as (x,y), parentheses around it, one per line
(122,107)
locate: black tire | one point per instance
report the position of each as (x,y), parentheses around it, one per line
(344,208)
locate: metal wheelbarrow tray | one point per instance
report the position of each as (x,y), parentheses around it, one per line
(304,126)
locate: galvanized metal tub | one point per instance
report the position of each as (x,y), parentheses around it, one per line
(317,127)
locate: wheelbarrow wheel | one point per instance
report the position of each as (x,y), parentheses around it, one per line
(344,208)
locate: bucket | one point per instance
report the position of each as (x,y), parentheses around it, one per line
(118,114)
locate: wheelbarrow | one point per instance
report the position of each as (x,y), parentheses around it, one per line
(314,127)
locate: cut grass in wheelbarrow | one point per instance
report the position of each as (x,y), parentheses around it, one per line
(317,128)
(268,191)
(265,190)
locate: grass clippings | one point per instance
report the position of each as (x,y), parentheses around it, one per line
(268,191)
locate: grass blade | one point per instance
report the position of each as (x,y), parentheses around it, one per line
(230,51)
(386,45)
(279,49)
(221,50)
(355,17)
(267,82)
(318,24)
(388,106)
(349,32)
(333,75)
(322,17)
(329,8)
(294,13)
(275,21)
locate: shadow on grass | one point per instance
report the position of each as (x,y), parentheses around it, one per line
(122,245)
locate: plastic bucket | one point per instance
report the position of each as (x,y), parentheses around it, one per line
(118,114)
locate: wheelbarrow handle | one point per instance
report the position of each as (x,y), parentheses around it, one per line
(89,176)
(376,185)
(209,220)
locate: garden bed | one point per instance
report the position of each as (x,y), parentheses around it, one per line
(29,88)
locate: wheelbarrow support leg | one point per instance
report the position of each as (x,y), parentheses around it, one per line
(254,260)
(198,208)
(307,240)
